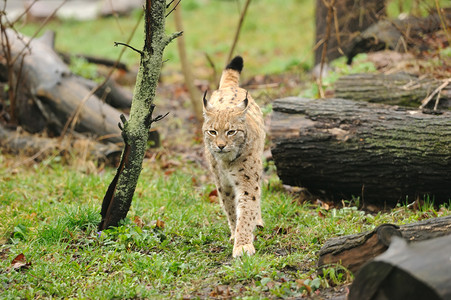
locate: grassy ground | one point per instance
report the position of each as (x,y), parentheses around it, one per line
(174,242)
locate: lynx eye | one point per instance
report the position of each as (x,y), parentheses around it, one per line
(231,132)
(212,132)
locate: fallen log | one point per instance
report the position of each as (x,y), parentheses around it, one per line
(48,94)
(396,89)
(407,271)
(381,154)
(112,93)
(353,251)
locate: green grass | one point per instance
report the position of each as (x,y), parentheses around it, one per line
(50,211)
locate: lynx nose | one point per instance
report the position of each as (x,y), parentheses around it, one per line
(221,146)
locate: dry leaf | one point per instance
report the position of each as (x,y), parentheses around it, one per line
(301,284)
(159,224)
(20,263)
(213,196)
(221,290)
(137,220)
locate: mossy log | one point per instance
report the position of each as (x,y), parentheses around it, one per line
(380,153)
(396,89)
(353,251)
(414,271)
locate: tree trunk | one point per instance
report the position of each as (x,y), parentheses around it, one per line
(118,197)
(407,271)
(352,251)
(352,17)
(381,154)
(397,89)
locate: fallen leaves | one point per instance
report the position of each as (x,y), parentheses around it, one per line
(20,263)
(213,196)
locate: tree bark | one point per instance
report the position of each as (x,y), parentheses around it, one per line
(119,195)
(381,154)
(396,89)
(353,251)
(407,271)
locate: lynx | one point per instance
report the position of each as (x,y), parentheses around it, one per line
(234,137)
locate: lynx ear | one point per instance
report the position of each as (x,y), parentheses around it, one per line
(245,104)
(205,102)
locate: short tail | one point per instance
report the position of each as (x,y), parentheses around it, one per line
(231,74)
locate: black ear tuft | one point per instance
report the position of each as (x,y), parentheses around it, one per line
(246,101)
(236,64)
(205,99)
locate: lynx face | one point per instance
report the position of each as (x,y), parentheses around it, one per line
(225,133)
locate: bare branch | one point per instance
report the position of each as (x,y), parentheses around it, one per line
(238,30)
(173,36)
(43,24)
(330,12)
(128,46)
(173,8)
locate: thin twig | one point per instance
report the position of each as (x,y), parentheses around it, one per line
(437,99)
(337,32)
(159,117)
(26,10)
(213,67)
(238,30)
(169,4)
(128,46)
(43,24)
(330,7)
(443,21)
(437,90)
(173,8)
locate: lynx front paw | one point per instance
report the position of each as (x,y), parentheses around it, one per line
(240,250)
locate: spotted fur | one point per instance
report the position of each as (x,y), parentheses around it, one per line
(234,137)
